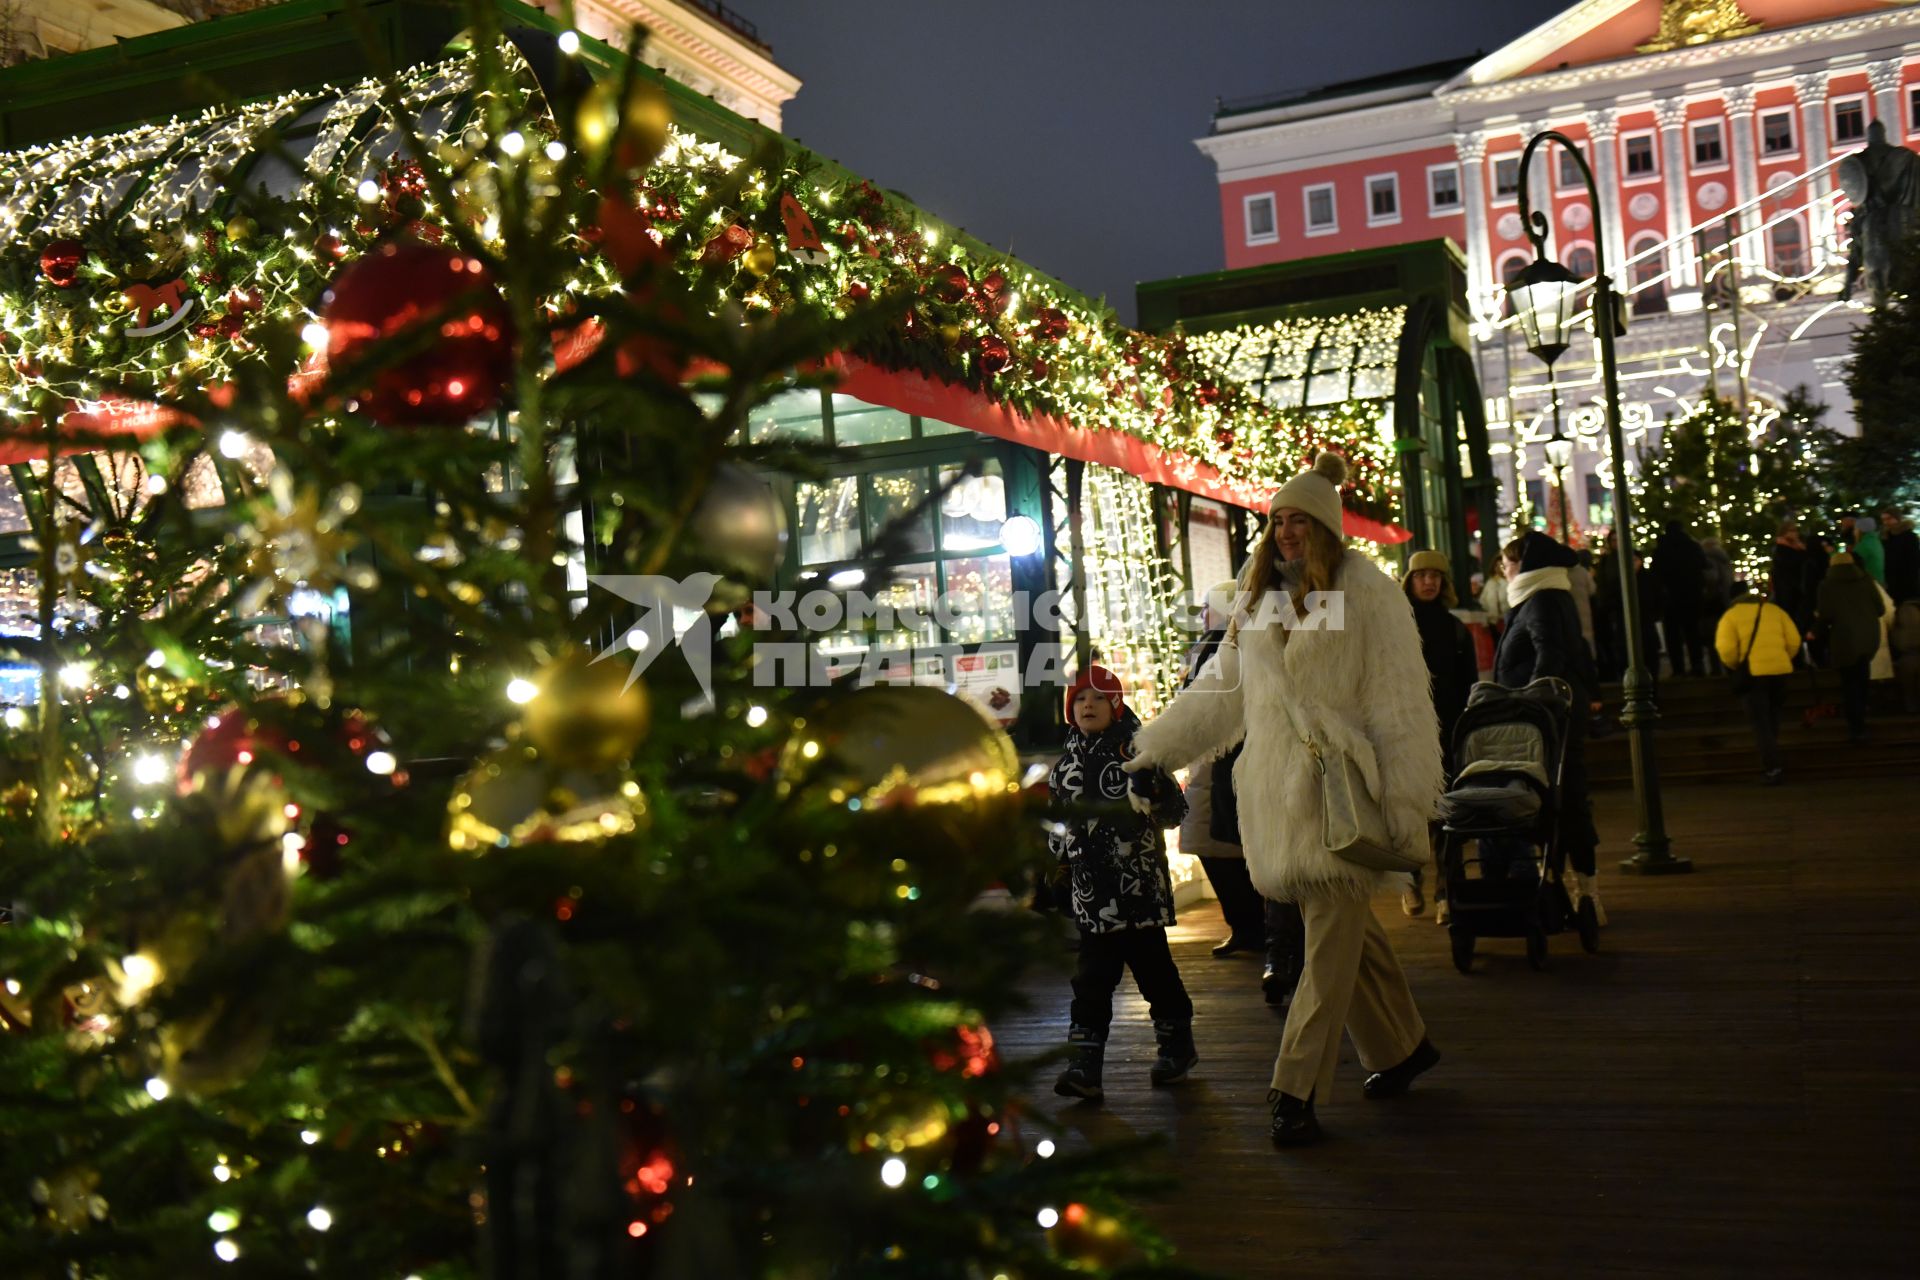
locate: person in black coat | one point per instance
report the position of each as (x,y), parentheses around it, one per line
(1902,549)
(1787,571)
(1543,639)
(1452,663)
(1681,568)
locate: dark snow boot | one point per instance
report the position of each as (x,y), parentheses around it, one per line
(1081,1079)
(1293,1121)
(1177,1055)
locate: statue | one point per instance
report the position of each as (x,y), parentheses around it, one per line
(1882,181)
(1691,22)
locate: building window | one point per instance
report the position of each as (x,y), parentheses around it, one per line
(1849,121)
(1649,275)
(1511,266)
(1709,145)
(1580,261)
(1506,178)
(1383,199)
(1322,218)
(1643,161)
(1566,170)
(1599,503)
(1913,109)
(1776,134)
(882,509)
(1258,211)
(1787,247)
(1537,500)
(1443,188)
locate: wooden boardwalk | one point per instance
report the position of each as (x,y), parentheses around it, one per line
(1728,1088)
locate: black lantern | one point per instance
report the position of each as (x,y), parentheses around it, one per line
(1543,301)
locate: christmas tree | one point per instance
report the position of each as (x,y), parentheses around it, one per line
(1733,476)
(364,921)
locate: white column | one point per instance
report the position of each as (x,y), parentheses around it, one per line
(1812,91)
(1672,116)
(1472,150)
(1603,127)
(1738,101)
(1884,79)
(1540,182)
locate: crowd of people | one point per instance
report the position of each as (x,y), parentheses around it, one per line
(1267,711)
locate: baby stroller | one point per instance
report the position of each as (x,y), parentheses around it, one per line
(1500,856)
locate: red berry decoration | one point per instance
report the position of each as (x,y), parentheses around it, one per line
(390,294)
(992,353)
(948,283)
(60,262)
(1050,323)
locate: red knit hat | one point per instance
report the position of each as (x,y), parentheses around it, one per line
(1096,677)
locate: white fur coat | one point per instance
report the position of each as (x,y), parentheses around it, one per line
(1363,689)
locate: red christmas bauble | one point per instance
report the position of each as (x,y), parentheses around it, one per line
(726,246)
(1207,393)
(1039,369)
(992,294)
(391,293)
(234,739)
(60,262)
(859,292)
(947,283)
(1050,323)
(992,353)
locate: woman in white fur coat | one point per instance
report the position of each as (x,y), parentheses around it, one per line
(1352,674)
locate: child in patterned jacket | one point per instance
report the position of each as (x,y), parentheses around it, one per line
(1107,836)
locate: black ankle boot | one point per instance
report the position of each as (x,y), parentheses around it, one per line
(1293,1121)
(1081,1079)
(1177,1054)
(1395,1081)
(1277,983)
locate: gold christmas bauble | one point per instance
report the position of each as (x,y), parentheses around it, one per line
(513,798)
(950,334)
(636,129)
(739,528)
(216,1049)
(761,259)
(241,228)
(587,714)
(902,746)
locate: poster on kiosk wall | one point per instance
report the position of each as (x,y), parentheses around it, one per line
(1210,543)
(990,679)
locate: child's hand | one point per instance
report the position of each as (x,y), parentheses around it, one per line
(1142,804)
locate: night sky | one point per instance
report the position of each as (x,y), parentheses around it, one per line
(1063,129)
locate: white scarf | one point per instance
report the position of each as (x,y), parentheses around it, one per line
(1525,584)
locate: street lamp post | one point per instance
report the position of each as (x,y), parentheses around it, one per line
(1559,452)
(1543,301)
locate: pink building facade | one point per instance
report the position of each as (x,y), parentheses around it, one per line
(1713,129)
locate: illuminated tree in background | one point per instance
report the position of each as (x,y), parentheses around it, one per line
(361,925)
(1735,477)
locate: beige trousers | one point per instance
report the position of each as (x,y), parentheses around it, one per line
(1351,980)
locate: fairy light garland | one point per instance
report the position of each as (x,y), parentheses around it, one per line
(1009,332)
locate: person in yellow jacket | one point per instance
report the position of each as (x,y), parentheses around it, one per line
(1762,635)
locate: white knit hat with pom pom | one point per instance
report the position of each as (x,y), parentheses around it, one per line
(1316,492)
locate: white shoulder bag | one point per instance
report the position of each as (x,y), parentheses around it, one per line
(1354,829)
